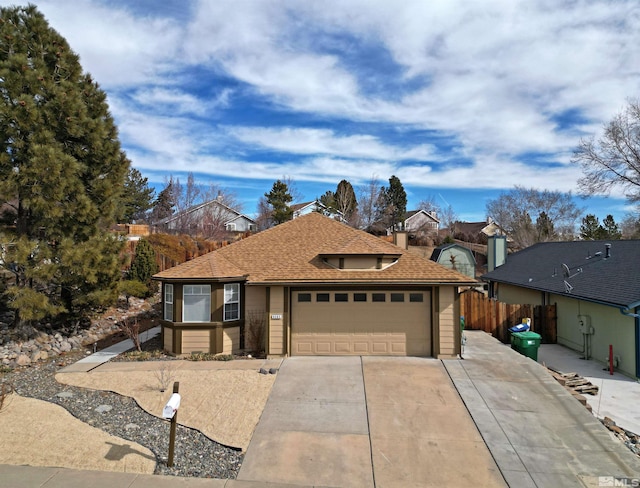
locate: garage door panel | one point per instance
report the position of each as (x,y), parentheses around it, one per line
(361,328)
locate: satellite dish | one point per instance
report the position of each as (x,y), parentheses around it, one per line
(565,270)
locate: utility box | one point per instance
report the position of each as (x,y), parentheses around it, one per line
(526,343)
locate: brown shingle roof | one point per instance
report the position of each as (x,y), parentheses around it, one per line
(291,253)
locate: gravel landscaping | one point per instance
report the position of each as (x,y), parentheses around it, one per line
(195,454)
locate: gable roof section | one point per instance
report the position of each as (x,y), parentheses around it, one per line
(412,213)
(613,281)
(233,214)
(292,253)
(297,207)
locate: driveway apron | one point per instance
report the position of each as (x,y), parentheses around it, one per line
(365,422)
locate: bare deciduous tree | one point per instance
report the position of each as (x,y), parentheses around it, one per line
(263,218)
(516,210)
(131,329)
(367,200)
(614,159)
(428,204)
(448,219)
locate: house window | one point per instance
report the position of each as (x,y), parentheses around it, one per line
(322,297)
(304,297)
(359,297)
(252,227)
(231,227)
(378,297)
(416,297)
(168,302)
(196,303)
(341,297)
(232,301)
(397,297)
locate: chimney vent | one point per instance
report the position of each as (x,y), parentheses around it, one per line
(607,248)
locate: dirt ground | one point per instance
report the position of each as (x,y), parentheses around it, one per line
(224,400)
(38,433)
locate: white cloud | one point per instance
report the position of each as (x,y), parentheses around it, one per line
(323,141)
(491,77)
(176,101)
(117,47)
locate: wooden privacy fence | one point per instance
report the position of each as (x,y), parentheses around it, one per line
(494,317)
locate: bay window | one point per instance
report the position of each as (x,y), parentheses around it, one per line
(168,302)
(196,303)
(231,301)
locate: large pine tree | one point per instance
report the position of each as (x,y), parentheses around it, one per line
(279,199)
(62,173)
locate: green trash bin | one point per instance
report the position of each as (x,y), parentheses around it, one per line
(526,343)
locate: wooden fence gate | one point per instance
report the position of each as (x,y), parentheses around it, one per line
(494,317)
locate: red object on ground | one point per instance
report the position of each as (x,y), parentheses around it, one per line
(611,359)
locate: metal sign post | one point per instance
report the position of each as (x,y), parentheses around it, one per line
(170,411)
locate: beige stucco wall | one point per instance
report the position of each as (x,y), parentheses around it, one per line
(230,340)
(195,341)
(168,339)
(449,323)
(276,321)
(360,262)
(255,315)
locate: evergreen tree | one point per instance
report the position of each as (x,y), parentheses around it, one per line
(143,266)
(590,229)
(61,173)
(392,203)
(164,204)
(137,197)
(279,199)
(329,201)
(611,229)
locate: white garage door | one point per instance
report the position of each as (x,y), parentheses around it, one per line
(386,323)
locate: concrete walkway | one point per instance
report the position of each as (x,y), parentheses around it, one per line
(538,434)
(365,422)
(97,358)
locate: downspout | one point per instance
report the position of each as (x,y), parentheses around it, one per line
(626,311)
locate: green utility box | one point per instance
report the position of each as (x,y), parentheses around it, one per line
(526,343)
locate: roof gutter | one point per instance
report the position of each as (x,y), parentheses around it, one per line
(627,310)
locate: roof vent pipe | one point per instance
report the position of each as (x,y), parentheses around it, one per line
(607,248)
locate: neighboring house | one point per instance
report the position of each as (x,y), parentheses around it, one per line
(595,286)
(418,222)
(479,231)
(208,218)
(300,209)
(315,286)
(457,257)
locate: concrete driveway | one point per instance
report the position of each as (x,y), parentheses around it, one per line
(367,421)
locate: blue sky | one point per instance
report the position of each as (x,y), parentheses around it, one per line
(459,99)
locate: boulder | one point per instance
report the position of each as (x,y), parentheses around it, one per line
(23,360)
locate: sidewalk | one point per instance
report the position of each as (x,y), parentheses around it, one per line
(32,477)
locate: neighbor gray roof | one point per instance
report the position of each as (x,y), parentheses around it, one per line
(594,277)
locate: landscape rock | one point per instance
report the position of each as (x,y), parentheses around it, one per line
(104,408)
(23,360)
